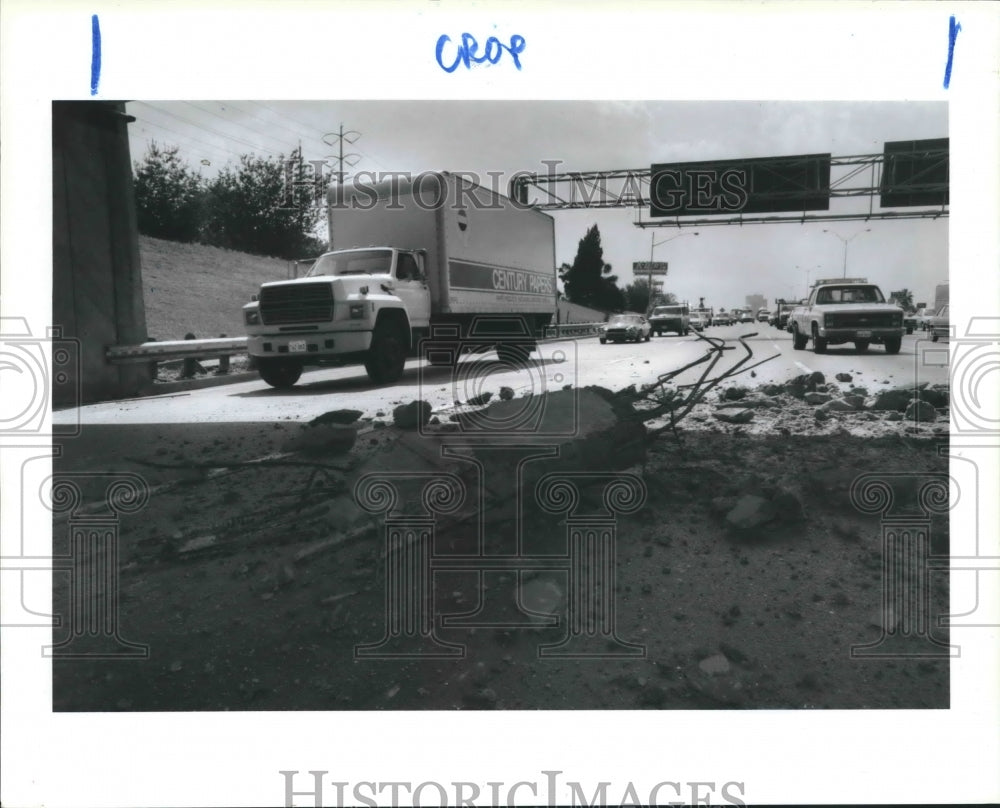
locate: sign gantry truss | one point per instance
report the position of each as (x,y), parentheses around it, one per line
(909,180)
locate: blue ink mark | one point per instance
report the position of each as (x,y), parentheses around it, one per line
(953,29)
(466,52)
(95,55)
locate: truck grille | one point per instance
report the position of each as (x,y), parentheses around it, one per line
(296,303)
(883,319)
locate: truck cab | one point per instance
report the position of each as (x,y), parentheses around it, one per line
(847,310)
(333,314)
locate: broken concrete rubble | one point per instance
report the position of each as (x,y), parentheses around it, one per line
(740,416)
(412,415)
(919,410)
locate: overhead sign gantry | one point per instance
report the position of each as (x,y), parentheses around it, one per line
(908,180)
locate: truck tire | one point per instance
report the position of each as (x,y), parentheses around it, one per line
(861,345)
(603,341)
(798,340)
(280,373)
(892,344)
(819,343)
(386,357)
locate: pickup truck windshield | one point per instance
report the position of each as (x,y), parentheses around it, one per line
(661,311)
(359,262)
(850,294)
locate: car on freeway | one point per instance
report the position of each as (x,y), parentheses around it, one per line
(723,318)
(670,318)
(939,325)
(763,316)
(743,315)
(625,328)
(923,318)
(698,321)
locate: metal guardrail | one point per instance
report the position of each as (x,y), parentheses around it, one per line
(571,330)
(176,349)
(227,346)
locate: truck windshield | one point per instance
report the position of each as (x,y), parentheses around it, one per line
(661,311)
(850,294)
(355,262)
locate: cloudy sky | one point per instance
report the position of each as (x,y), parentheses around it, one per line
(723,264)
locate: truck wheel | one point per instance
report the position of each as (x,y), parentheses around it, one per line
(603,341)
(934,338)
(909,329)
(798,340)
(280,373)
(892,344)
(386,357)
(819,343)
(648,336)
(513,354)
(861,345)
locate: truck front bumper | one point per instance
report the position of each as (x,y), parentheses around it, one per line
(308,346)
(852,334)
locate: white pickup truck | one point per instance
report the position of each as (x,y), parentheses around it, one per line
(436,263)
(846,310)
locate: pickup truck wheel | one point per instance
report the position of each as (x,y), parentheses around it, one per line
(819,343)
(386,357)
(934,338)
(892,344)
(279,373)
(861,345)
(798,340)
(648,336)
(909,329)
(603,341)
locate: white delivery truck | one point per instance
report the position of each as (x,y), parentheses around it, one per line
(434,263)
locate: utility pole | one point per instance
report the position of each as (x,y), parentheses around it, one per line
(338,139)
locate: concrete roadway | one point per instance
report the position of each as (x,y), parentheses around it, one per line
(577,362)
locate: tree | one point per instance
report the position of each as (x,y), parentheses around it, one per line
(249,209)
(638,295)
(904,297)
(589,281)
(169,196)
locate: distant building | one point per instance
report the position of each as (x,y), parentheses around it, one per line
(756,302)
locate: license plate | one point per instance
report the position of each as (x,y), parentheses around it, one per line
(864,333)
(297,346)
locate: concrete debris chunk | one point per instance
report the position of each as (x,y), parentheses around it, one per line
(750,511)
(918,410)
(740,416)
(895,399)
(412,415)
(336,417)
(817,398)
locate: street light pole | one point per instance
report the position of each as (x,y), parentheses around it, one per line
(653,244)
(847,241)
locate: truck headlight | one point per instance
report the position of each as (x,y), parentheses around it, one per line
(357,311)
(252,317)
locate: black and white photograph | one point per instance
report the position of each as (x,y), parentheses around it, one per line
(402,436)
